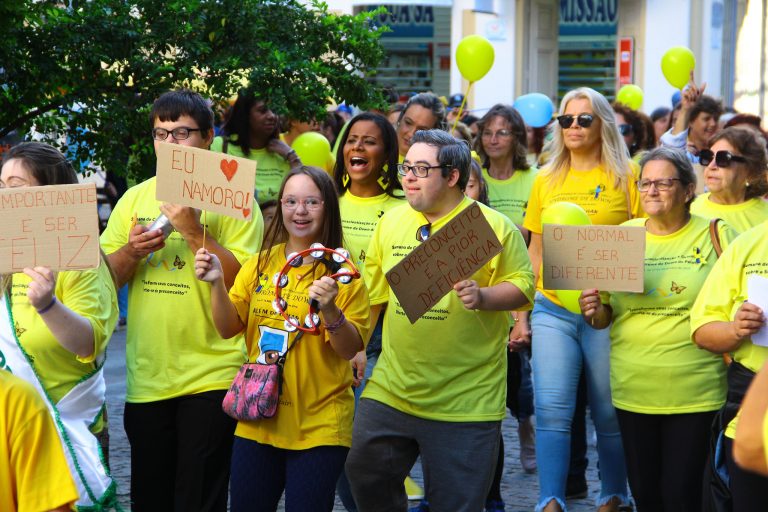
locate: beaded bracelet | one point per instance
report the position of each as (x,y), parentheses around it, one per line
(332,328)
(46,308)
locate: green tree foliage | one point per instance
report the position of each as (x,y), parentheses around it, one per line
(87,71)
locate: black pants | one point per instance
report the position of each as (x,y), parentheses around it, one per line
(180,453)
(665,456)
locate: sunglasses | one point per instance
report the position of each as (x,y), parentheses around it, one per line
(721,158)
(423,232)
(583,120)
(625,129)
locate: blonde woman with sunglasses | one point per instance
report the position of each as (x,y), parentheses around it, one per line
(589,166)
(735,175)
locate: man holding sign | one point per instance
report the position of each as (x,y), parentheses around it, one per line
(438,388)
(179,368)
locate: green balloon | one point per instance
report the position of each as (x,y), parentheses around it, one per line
(630,96)
(474,57)
(677,64)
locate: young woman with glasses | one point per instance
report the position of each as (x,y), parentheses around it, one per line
(301,449)
(735,169)
(589,166)
(666,391)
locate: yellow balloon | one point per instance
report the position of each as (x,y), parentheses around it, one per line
(474,56)
(570,300)
(677,64)
(566,213)
(631,96)
(313,149)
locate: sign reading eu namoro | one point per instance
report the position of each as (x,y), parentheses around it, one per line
(609,258)
(55,226)
(453,253)
(207,180)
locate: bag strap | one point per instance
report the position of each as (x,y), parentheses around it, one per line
(714,234)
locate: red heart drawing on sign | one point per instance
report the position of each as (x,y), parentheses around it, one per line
(229,168)
(246,212)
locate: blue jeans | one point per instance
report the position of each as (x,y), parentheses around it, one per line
(562,343)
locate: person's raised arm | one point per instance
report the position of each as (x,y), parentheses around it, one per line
(224,313)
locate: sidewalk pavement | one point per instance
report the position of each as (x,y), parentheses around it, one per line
(518,489)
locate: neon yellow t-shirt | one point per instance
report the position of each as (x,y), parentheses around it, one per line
(594,191)
(643,367)
(510,196)
(89,293)
(741,217)
(726,288)
(317,405)
(359,217)
(173,348)
(451,364)
(271,168)
(34,475)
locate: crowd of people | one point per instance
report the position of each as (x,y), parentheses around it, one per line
(365,392)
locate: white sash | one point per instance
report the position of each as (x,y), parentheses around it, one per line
(72,416)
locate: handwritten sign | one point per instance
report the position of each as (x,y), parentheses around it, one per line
(55,226)
(609,258)
(207,180)
(451,254)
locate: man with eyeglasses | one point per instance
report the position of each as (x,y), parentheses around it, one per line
(178,367)
(439,386)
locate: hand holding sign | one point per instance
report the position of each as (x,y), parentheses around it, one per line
(40,290)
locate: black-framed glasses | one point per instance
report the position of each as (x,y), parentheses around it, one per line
(420,171)
(583,120)
(625,129)
(661,185)
(180,133)
(423,232)
(721,158)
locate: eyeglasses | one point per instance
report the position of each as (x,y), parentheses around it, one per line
(487,134)
(661,185)
(583,120)
(180,133)
(625,129)
(311,203)
(423,232)
(721,158)
(420,171)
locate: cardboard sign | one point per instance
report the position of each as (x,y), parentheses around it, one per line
(55,226)
(206,180)
(451,254)
(609,258)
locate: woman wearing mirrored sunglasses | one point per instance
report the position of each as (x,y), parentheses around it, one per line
(735,169)
(637,130)
(666,391)
(589,166)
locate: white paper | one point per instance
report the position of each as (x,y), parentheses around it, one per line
(757,291)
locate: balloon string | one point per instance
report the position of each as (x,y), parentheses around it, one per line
(461,108)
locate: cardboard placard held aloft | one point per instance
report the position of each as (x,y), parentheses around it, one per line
(453,253)
(55,226)
(206,180)
(609,258)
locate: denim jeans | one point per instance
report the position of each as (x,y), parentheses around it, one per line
(562,344)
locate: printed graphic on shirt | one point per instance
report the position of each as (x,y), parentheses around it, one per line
(272,344)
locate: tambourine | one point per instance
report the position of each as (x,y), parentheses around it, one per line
(334,264)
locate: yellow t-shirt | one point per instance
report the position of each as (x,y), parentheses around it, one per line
(726,288)
(317,405)
(451,364)
(34,475)
(661,371)
(89,293)
(741,217)
(594,191)
(510,196)
(271,168)
(173,348)
(359,216)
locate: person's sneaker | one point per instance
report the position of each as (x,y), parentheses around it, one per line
(414,490)
(526,433)
(494,506)
(576,488)
(423,506)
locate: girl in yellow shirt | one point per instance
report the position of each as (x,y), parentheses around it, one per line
(302,449)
